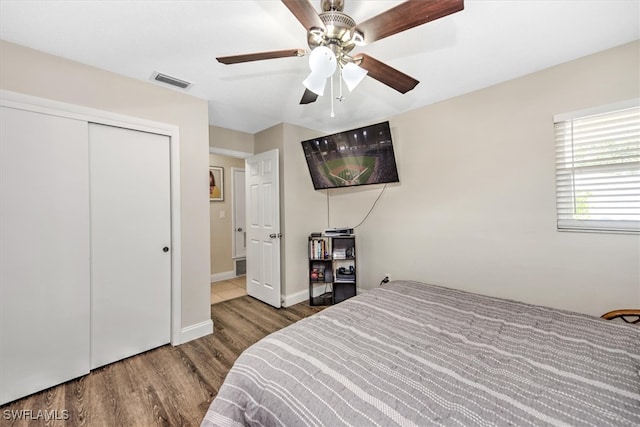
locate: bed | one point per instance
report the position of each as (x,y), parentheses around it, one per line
(414,354)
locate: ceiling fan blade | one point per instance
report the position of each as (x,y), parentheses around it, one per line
(386,74)
(304,12)
(235,59)
(308,97)
(405,16)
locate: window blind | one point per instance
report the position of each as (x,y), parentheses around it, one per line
(598,171)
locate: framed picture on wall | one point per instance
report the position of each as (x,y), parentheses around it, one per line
(216,183)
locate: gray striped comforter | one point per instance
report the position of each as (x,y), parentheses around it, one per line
(418,355)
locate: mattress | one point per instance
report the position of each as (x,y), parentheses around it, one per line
(414,354)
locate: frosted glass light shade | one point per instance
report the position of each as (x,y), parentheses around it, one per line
(353,75)
(322,61)
(315,83)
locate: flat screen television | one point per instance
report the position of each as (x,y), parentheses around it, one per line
(360,156)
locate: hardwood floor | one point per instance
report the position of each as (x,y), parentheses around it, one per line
(167,386)
(225,290)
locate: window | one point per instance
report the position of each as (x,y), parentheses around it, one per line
(598,169)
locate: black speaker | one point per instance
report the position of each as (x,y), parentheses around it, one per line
(346,273)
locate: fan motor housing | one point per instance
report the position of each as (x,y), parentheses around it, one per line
(338,35)
(328,5)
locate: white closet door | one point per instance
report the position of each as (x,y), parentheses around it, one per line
(130,242)
(44,251)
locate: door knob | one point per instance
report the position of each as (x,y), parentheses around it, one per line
(165,249)
(239,229)
(274,235)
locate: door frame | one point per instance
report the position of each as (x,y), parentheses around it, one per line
(234,224)
(62,109)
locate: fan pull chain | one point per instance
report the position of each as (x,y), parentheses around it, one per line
(332,113)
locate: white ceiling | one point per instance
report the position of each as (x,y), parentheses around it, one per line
(486,43)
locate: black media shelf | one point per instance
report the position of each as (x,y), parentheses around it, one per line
(332,268)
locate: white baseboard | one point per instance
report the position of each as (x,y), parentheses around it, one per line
(298,297)
(293,299)
(205,328)
(225,275)
(193,332)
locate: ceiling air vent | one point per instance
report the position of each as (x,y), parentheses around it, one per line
(159,77)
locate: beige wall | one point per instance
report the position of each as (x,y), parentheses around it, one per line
(302,214)
(221,228)
(475,208)
(230,140)
(38,74)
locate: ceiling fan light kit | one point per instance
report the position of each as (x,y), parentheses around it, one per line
(322,61)
(332,35)
(353,75)
(315,83)
(323,64)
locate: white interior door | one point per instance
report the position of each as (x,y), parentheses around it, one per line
(44,251)
(130,242)
(239,213)
(263,227)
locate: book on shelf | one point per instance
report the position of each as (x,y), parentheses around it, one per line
(319,248)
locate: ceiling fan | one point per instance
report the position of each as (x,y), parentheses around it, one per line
(332,35)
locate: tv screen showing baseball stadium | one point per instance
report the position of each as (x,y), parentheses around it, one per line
(356,157)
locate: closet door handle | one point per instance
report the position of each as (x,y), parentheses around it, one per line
(165,249)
